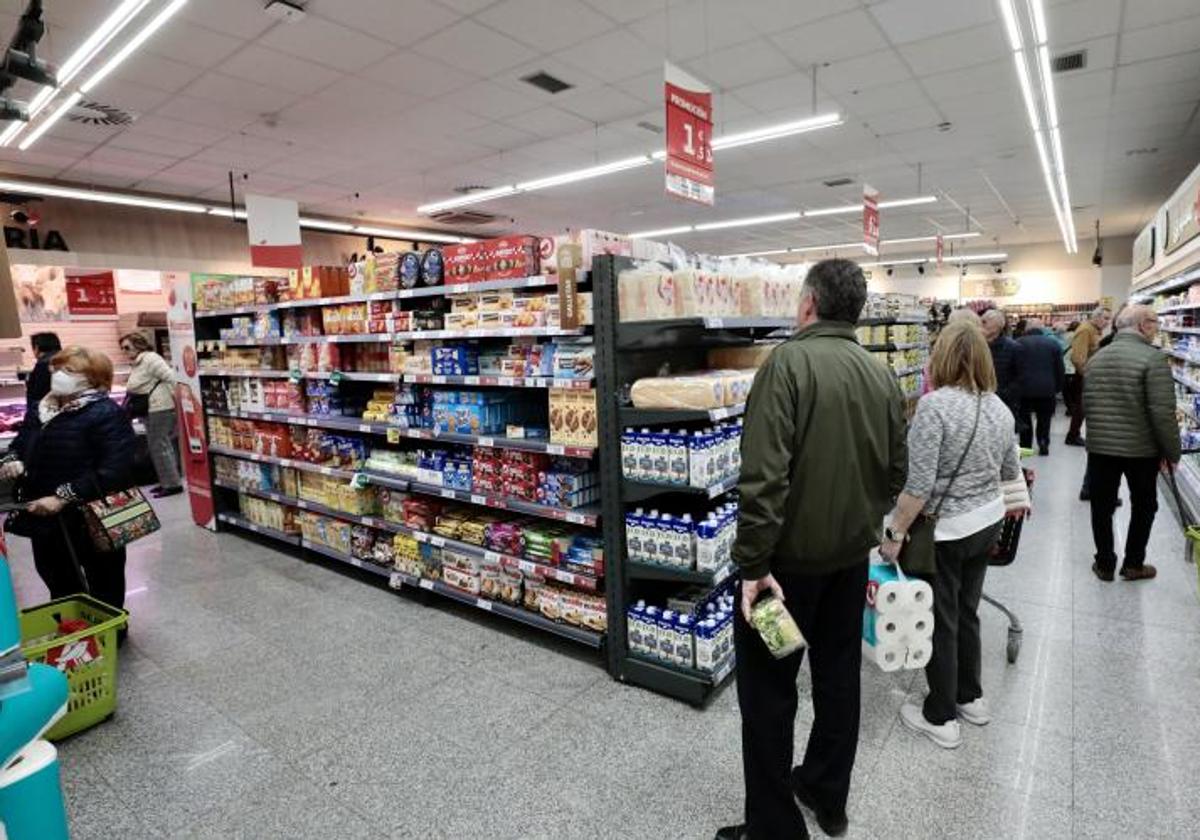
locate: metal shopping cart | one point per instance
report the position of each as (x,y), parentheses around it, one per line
(1003,554)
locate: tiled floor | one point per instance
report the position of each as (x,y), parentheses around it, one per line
(265,697)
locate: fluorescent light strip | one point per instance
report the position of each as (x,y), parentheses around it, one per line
(109,29)
(970,235)
(1035,121)
(749,222)
(883,205)
(103,197)
(789,129)
(395,233)
(1043,55)
(1010,23)
(728,141)
(967,258)
(671,231)
(46,124)
(1038,13)
(775,218)
(843,246)
(136,41)
(918,261)
(322,224)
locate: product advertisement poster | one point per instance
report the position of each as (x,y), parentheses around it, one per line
(871,220)
(689,161)
(193,443)
(273,225)
(94,293)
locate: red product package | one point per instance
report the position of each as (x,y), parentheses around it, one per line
(463,263)
(511,257)
(81,652)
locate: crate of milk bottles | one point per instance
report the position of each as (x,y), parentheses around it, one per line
(703,542)
(682,458)
(701,639)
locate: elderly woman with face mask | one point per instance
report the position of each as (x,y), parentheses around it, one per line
(77,448)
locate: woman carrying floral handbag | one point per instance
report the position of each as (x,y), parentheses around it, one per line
(78,449)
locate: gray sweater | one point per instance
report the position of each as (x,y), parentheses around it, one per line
(937,437)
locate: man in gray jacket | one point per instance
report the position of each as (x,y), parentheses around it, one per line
(1129,399)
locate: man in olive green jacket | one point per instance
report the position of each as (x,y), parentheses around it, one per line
(823,458)
(1129,397)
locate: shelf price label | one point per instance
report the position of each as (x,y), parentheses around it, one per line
(294,376)
(393,435)
(336,377)
(359,481)
(689,121)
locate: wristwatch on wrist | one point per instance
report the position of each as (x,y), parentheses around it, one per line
(893,536)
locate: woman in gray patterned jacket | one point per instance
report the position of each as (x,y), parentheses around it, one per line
(961,448)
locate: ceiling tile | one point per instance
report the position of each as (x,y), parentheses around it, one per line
(316,39)
(625,11)
(1160,71)
(442,118)
(401,22)
(233,17)
(240,94)
(863,72)
(691,34)
(831,39)
(741,64)
(182,41)
(418,75)
(982,79)
(278,70)
(372,99)
(1088,84)
(647,87)
(503,137)
(157,125)
(139,140)
(129,96)
(548,121)
(951,52)
(548,25)
(775,15)
(774,94)
(613,56)
(602,105)
(1160,11)
(494,101)
(905,21)
(474,48)
(207,112)
(1160,41)
(157,72)
(883,98)
(467,7)
(1082,20)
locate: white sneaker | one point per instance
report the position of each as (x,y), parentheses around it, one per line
(975,712)
(948,735)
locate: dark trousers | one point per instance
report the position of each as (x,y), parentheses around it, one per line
(953,669)
(1073,395)
(105,570)
(1104,477)
(1043,409)
(828,608)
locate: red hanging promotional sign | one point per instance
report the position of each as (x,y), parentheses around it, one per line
(91,294)
(940,248)
(273,225)
(871,220)
(689,161)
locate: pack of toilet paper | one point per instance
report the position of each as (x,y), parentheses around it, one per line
(897,619)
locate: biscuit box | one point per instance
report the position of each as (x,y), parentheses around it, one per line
(512,257)
(464,263)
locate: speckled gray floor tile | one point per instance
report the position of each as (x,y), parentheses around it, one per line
(262,696)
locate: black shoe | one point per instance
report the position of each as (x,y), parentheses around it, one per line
(1105,575)
(163,492)
(834,825)
(733,832)
(1085,495)
(1076,442)
(1044,449)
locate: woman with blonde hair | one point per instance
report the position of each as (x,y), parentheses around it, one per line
(150,392)
(961,448)
(77,448)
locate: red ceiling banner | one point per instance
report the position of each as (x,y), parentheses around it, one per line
(92,294)
(871,220)
(689,161)
(273,225)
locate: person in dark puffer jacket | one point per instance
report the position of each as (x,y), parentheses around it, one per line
(1129,397)
(77,448)
(1006,359)
(1042,379)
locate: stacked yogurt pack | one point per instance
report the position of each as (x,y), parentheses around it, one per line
(897,619)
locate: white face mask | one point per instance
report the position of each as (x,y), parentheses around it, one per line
(64,382)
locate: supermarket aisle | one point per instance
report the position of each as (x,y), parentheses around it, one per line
(264,697)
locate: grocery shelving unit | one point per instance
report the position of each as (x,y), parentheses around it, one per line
(385,435)
(626,351)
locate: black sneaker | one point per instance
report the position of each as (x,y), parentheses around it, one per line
(835,825)
(1044,449)
(1076,442)
(1105,575)
(733,832)
(1085,495)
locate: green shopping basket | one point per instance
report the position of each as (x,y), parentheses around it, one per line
(93,685)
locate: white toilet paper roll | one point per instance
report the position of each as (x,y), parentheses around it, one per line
(918,654)
(892,596)
(918,595)
(889,657)
(917,626)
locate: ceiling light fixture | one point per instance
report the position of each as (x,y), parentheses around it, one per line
(910,239)
(103,34)
(728,141)
(1045,128)
(102,197)
(136,41)
(844,246)
(323,224)
(399,233)
(46,124)
(774,218)
(957,260)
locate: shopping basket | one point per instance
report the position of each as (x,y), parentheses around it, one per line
(1003,553)
(93,683)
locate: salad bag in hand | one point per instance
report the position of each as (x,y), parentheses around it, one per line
(918,554)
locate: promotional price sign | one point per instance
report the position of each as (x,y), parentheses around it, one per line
(871,220)
(91,294)
(940,251)
(273,225)
(689,161)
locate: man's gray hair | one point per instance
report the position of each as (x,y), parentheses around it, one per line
(1131,316)
(1098,311)
(1034,324)
(994,315)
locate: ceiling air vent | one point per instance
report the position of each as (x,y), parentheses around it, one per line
(548,83)
(97,113)
(837,182)
(1067,62)
(463,217)
(653,128)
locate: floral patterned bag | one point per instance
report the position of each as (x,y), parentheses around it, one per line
(119,518)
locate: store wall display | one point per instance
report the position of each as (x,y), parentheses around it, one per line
(93,293)
(41,292)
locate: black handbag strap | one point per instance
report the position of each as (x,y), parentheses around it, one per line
(958,467)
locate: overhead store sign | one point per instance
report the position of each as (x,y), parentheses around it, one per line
(273,225)
(941,249)
(92,294)
(689,161)
(989,287)
(871,220)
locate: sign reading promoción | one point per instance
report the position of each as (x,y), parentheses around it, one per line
(274,228)
(871,220)
(94,293)
(689,161)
